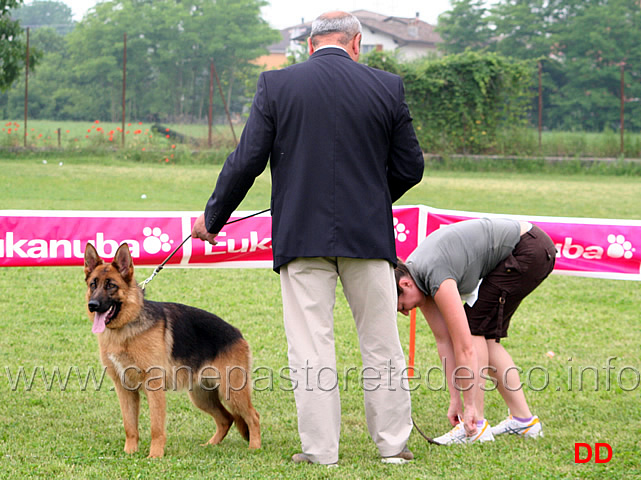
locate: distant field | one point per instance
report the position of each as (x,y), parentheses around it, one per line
(138,135)
(87,135)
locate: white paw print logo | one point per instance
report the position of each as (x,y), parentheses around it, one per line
(400,231)
(619,247)
(156,240)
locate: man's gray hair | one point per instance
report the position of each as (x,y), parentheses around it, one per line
(341,22)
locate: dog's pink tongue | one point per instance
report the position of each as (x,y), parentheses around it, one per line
(99,322)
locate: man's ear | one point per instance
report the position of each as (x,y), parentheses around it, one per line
(406,282)
(357,44)
(310,47)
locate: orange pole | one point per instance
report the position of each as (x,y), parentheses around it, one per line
(410,370)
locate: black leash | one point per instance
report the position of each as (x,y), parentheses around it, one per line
(429,439)
(162,265)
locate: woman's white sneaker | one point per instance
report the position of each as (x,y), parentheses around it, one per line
(457,435)
(512,426)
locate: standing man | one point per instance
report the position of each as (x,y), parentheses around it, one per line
(341,146)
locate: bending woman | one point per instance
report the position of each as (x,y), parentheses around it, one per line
(492,264)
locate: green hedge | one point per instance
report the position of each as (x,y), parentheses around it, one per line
(461,103)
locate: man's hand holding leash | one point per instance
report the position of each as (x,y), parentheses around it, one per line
(200,231)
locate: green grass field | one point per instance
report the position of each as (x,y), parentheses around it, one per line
(52,430)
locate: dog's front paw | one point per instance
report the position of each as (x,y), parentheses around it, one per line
(156,452)
(131,446)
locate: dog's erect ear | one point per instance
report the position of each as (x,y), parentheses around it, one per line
(92,260)
(123,263)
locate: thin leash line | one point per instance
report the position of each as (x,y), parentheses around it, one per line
(162,265)
(429,439)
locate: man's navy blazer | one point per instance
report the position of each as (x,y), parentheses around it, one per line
(341,147)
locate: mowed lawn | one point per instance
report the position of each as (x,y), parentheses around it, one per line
(69,426)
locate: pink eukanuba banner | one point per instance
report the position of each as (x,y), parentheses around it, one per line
(601,248)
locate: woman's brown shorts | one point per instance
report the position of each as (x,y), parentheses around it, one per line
(511,281)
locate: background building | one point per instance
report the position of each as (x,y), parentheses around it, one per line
(409,38)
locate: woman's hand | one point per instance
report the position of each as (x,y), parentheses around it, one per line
(455,412)
(469,421)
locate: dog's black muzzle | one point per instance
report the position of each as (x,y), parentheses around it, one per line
(93,305)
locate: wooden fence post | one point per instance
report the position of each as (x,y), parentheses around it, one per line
(124,87)
(220,90)
(622,107)
(26,90)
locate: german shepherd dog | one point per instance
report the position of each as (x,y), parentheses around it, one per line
(154,346)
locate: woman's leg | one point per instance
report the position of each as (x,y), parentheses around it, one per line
(508,380)
(482,354)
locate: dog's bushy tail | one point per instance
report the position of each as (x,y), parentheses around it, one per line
(242,427)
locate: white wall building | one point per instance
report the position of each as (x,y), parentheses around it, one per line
(409,38)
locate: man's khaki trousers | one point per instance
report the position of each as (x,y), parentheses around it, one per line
(309,290)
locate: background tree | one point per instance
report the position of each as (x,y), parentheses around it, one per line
(12,45)
(581,44)
(45,85)
(597,39)
(522,28)
(464,26)
(45,13)
(169,47)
